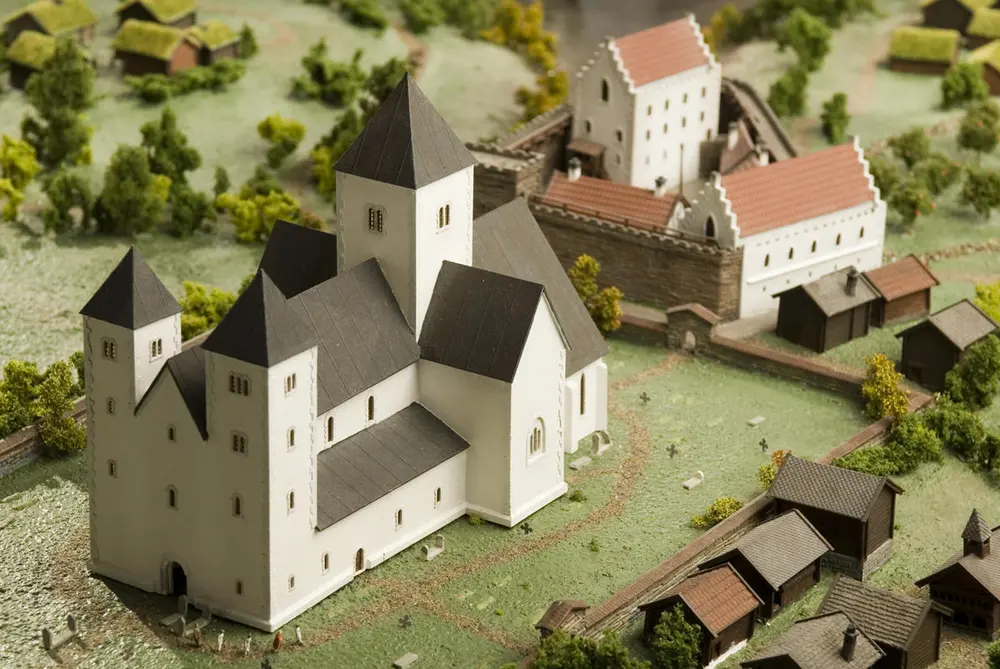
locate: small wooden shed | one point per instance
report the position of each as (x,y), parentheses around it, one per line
(923,50)
(218,42)
(827,312)
(175,13)
(828,641)
(55,18)
(989,56)
(951,14)
(718,601)
(984,28)
(558,613)
(904,289)
(150,48)
(933,346)
(28,55)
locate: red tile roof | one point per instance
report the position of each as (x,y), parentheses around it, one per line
(901,278)
(603,199)
(719,597)
(660,52)
(798,189)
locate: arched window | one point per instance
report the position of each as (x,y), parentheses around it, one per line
(291,437)
(291,500)
(536,441)
(376,219)
(862,233)
(329,428)
(791,253)
(326,562)
(605,90)
(371,407)
(437,496)
(444,216)
(710,227)
(172,497)
(399,518)
(237,506)
(838,239)
(291,582)
(588,127)
(767,260)
(583,394)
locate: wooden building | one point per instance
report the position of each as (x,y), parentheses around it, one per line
(558,613)
(906,629)
(827,312)
(718,601)
(55,18)
(904,289)
(779,559)
(175,13)
(969,583)
(984,28)
(923,50)
(951,14)
(149,48)
(217,41)
(933,346)
(853,511)
(989,56)
(828,641)
(28,55)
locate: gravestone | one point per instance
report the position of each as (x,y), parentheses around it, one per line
(405,662)
(431,552)
(755,421)
(52,641)
(580,463)
(694,482)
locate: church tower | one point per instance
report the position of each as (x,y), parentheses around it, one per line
(404,197)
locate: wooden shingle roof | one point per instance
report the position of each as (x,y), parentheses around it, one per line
(662,51)
(718,597)
(904,277)
(976,529)
(962,323)
(816,643)
(828,488)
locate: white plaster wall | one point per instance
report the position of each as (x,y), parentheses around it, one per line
(351,416)
(147,367)
(477,408)
(710,201)
(606,118)
(595,408)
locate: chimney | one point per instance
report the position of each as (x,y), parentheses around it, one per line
(733,136)
(852,281)
(661,187)
(763,157)
(575,169)
(850,643)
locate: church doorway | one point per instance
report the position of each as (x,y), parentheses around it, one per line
(359,561)
(176,580)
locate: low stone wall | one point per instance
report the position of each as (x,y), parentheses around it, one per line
(503,175)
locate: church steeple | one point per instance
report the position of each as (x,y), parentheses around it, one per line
(976,536)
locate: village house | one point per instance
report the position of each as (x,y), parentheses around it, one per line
(794,220)
(904,289)
(719,602)
(644,104)
(779,560)
(217,42)
(338,415)
(989,56)
(174,13)
(149,48)
(829,641)
(932,347)
(983,29)
(558,612)
(920,50)
(853,511)
(969,583)
(906,629)
(55,18)
(27,55)
(827,312)
(951,14)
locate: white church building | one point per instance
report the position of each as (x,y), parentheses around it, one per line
(367,388)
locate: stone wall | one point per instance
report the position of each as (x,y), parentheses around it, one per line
(855,568)
(513,174)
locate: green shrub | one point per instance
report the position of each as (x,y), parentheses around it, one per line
(202,309)
(975,380)
(911,147)
(59,432)
(421,15)
(962,84)
(471,17)
(993,655)
(475,520)
(157,88)
(885,173)
(874,460)
(577,496)
(881,388)
(676,642)
(334,83)
(560,650)
(594,545)
(911,443)
(717,512)
(960,430)
(364,13)
(938,172)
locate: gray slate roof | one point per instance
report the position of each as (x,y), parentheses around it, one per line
(976,529)
(132,296)
(816,643)
(888,618)
(962,323)
(261,328)
(406,143)
(829,292)
(834,489)
(362,335)
(297,258)
(782,547)
(508,241)
(479,321)
(188,370)
(374,462)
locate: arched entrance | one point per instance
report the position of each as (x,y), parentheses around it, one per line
(175,579)
(960,619)
(600,441)
(690,341)
(359,561)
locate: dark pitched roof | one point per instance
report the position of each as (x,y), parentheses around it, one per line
(406,143)
(379,459)
(834,489)
(132,296)
(362,334)
(718,597)
(962,323)
(985,570)
(782,547)
(479,321)
(508,241)
(888,618)
(816,643)
(188,371)
(261,328)
(829,292)
(558,612)
(976,529)
(298,258)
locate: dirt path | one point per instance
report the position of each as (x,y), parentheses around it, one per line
(415,49)
(283,34)
(864,88)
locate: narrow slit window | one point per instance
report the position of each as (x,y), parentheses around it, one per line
(171,433)
(113,468)
(291,500)
(326,562)
(239,587)
(237,506)
(172,497)
(862,233)
(291,438)
(583,394)
(767,260)
(812,249)
(371,407)
(791,253)
(838,239)
(399,518)
(437,496)
(111,406)
(329,428)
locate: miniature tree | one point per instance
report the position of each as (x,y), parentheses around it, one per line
(76,361)
(189,209)
(974,381)
(835,118)
(885,173)
(807,36)
(988,299)
(421,15)
(787,95)
(11,198)
(168,149)
(960,430)
(17,162)
(881,390)
(551,90)
(937,172)
(979,131)
(725,27)
(559,650)
(364,13)
(981,190)
(336,84)
(255,216)
(66,191)
(284,136)
(676,643)
(717,512)
(962,84)
(382,80)
(911,201)
(261,182)
(912,443)
(471,17)
(20,381)
(911,147)
(201,309)
(604,304)
(993,655)
(59,432)
(247,46)
(132,200)
(766,473)
(221,183)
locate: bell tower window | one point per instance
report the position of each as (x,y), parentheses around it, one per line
(376,219)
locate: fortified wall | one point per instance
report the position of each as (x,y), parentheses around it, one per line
(503,175)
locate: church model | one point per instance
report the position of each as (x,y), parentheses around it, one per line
(364,391)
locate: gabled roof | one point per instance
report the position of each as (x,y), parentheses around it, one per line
(372,463)
(298,258)
(479,321)
(57,17)
(214,34)
(799,189)
(150,39)
(406,143)
(781,548)
(929,45)
(888,618)
(508,241)
(985,23)
(163,10)
(601,198)
(558,612)
(987,54)
(971,5)
(841,491)
(718,597)
(660,52)
(32,49)
(188,371)
(816,643)
(962,323)
(261,329)
(829,292)
(976,530)
(904,277)
(132,296)
(983,570)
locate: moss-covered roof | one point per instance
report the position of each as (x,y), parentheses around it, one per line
(985,23)
(149,39)
(971,5)
(32,49)
(988,54)
(214,34)
(163,10)
(57,17)
(932,45)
